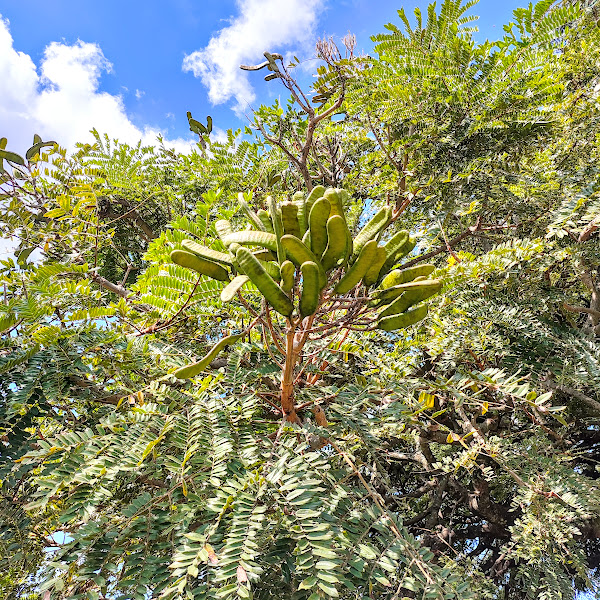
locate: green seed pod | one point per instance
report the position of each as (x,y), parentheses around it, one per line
(250,213)
(208,253)
(335,201)
(231,289)
(375,226)
(223,228)
(197,368)
(252,238)
(390,279)
(314,195)
(306,239)
(317,223)
(398,276)
(394,248)
(265,219)
(372,274)
(298,253)
(288,272)
(394,292)
(344,199)
(403,320)
(278,227)
(289,216)
(265,255)
(408,299)
(359,269)
(200,265)
(298,200)
(309,300)
(264,282)
(272,268)
(337,237)
(406,249)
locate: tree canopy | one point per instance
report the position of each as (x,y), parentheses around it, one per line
(395,395)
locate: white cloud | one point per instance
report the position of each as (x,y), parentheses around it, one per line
(261,25)
(61,100)
(139,94)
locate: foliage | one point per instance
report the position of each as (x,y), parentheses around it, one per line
(456,458)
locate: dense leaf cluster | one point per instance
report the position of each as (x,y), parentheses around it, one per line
(453,459)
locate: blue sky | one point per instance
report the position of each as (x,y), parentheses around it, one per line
(133,68)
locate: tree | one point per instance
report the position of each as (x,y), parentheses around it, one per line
(454,458)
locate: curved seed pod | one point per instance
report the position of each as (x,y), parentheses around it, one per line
(406,249)
(372,228)
(265,255)
(408,299)
(288,272)
(272,268)
(265,219)
(200,265)
(344,198)
(298,200)
(298,253)
(250,213)
(309,300)
(223,228)
(393,249)
(390,279)
(359,269)
(252,238)
(401,253)
(335,202)
(372,274)
(233,248)
(197,368)
(337,237)
(314,195)
(208,253)
(317,224)
(231,289)
(306,239)
(394,292)
(278,227)
(264,282)
(403,320)
(289,217)
(398,276)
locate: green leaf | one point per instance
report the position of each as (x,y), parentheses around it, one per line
(12,157)
(35,149)
(328,589)
(308,583)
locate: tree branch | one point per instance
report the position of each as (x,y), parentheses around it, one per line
(459,238)
(581,309)
(111,287)
(592,404)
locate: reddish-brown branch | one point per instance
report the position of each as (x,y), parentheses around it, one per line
(275,337)
(287,378)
